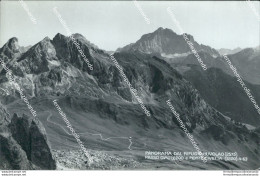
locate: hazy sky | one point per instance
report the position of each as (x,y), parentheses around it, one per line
(114,24)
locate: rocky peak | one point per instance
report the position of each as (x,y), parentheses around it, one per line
(11,49)
(159,33)
(166,42)
(164,31)
(83,40)
(13,44)
(79,36)
(42,48)
(46,40)
(190,37)
(59,38)
(36,60)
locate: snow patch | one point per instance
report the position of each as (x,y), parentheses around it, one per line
(54,63)
(175,55)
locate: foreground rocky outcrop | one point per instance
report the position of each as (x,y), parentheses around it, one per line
(23,144)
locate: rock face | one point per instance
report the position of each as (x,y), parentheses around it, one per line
(219,86)
(11,48)
(32,141)
(247,63)
(12,155)
(166,42)
(22,144)
(224,93)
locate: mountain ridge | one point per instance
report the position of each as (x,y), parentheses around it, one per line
(167,42)
(99,100)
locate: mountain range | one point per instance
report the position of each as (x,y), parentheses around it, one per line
(224,93)
(173,48)
(108,118)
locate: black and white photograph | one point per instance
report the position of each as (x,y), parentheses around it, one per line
(129,86)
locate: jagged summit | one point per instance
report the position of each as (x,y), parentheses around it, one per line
(43,48)
(83,39)
(11,44)
(46,39)
(59,36)
(168,31)
(164,30)
(78,35)
(11,49)
(11,41)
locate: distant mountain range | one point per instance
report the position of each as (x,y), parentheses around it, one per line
(107,116)
(173,48)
